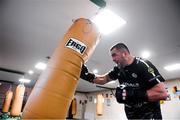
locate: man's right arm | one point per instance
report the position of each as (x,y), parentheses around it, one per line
(102,79)
(92,78)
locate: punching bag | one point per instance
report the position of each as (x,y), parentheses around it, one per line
(54,90)
(18,100)
(7,101)
(74,107)
(99,105)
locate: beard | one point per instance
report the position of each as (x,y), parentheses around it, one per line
(119,65)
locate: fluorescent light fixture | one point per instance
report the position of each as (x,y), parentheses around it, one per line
(41,66)
(31,72)
(24,80)
(111,82)
(172,67)
(107,21)
(145,54)
(95,71)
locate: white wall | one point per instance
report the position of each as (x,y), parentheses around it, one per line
(111,112)
(170,109)
(80,107)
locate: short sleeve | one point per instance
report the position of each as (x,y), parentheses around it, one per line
(113,74)
(149,74)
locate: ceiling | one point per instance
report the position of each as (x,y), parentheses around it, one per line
(30,30)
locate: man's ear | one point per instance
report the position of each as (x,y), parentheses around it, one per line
(124,54)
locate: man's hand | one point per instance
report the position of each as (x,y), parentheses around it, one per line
(86,75)
(126,95)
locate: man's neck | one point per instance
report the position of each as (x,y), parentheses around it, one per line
(130,60)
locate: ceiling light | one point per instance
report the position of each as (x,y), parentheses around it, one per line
(31,72)
(24,80)
(145,54)
(41,66)
(111,82)
(172,67)
(95,71)
(107,21)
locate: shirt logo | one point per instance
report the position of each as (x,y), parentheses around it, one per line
(122,86)
(133,85)
(134,75)
(150,70)
(76,45)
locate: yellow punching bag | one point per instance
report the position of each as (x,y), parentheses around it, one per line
(174,89)
(54,90)
(7,101)
(99,105)
(74,107)
(18,100)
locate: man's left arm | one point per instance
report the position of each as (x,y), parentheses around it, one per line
(154,81)
(158,92)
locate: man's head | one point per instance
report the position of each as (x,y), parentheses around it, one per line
(120,53)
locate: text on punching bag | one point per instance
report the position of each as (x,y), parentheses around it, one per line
(76,45)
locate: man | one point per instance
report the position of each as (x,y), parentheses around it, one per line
(141,85)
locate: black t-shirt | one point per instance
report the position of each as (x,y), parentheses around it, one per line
(141,74)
